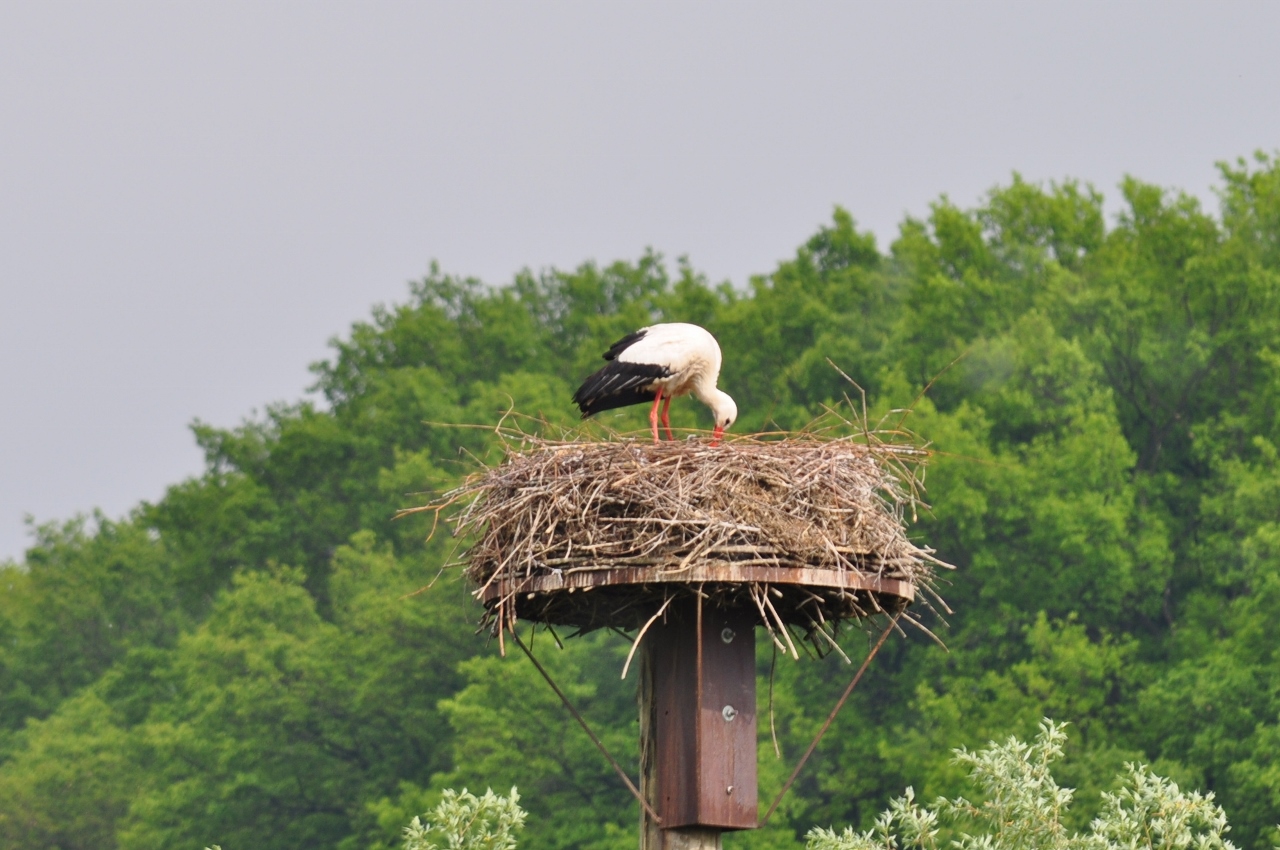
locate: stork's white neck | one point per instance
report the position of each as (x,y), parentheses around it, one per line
(723,408)
(705,390)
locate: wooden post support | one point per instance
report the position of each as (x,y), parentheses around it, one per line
(698,727)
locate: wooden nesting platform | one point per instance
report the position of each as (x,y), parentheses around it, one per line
(805,531)
(625,597)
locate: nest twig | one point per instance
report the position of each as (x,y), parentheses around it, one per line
(564,508)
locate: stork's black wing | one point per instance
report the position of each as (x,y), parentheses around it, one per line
(619,384)
(624,343)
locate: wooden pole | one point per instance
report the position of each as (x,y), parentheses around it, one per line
(650,832)
(652,836)
(696,700)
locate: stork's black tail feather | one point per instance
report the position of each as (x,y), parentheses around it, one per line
(618,384)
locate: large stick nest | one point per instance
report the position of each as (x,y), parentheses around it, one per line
(554,514)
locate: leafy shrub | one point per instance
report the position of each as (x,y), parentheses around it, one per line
(468,822)
(1022,808)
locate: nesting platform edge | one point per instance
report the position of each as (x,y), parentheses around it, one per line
(711,573)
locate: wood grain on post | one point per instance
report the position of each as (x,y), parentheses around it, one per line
(698,728)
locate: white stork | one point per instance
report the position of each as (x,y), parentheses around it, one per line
(656,363)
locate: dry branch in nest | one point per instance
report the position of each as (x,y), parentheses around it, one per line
(809,531)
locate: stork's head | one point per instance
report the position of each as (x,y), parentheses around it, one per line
(725,411)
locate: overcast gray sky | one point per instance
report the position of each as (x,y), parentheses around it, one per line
(194,197)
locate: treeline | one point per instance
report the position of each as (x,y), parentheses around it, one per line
(239,663)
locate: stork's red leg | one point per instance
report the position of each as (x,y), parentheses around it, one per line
(653,414)
(666,419)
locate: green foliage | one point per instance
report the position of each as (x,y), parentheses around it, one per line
(242,660)
(468,822)
(1022,807)
(67,784)
(81,600)
(273,708)
(509,727)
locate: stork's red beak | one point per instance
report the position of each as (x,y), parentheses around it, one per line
(717,435)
